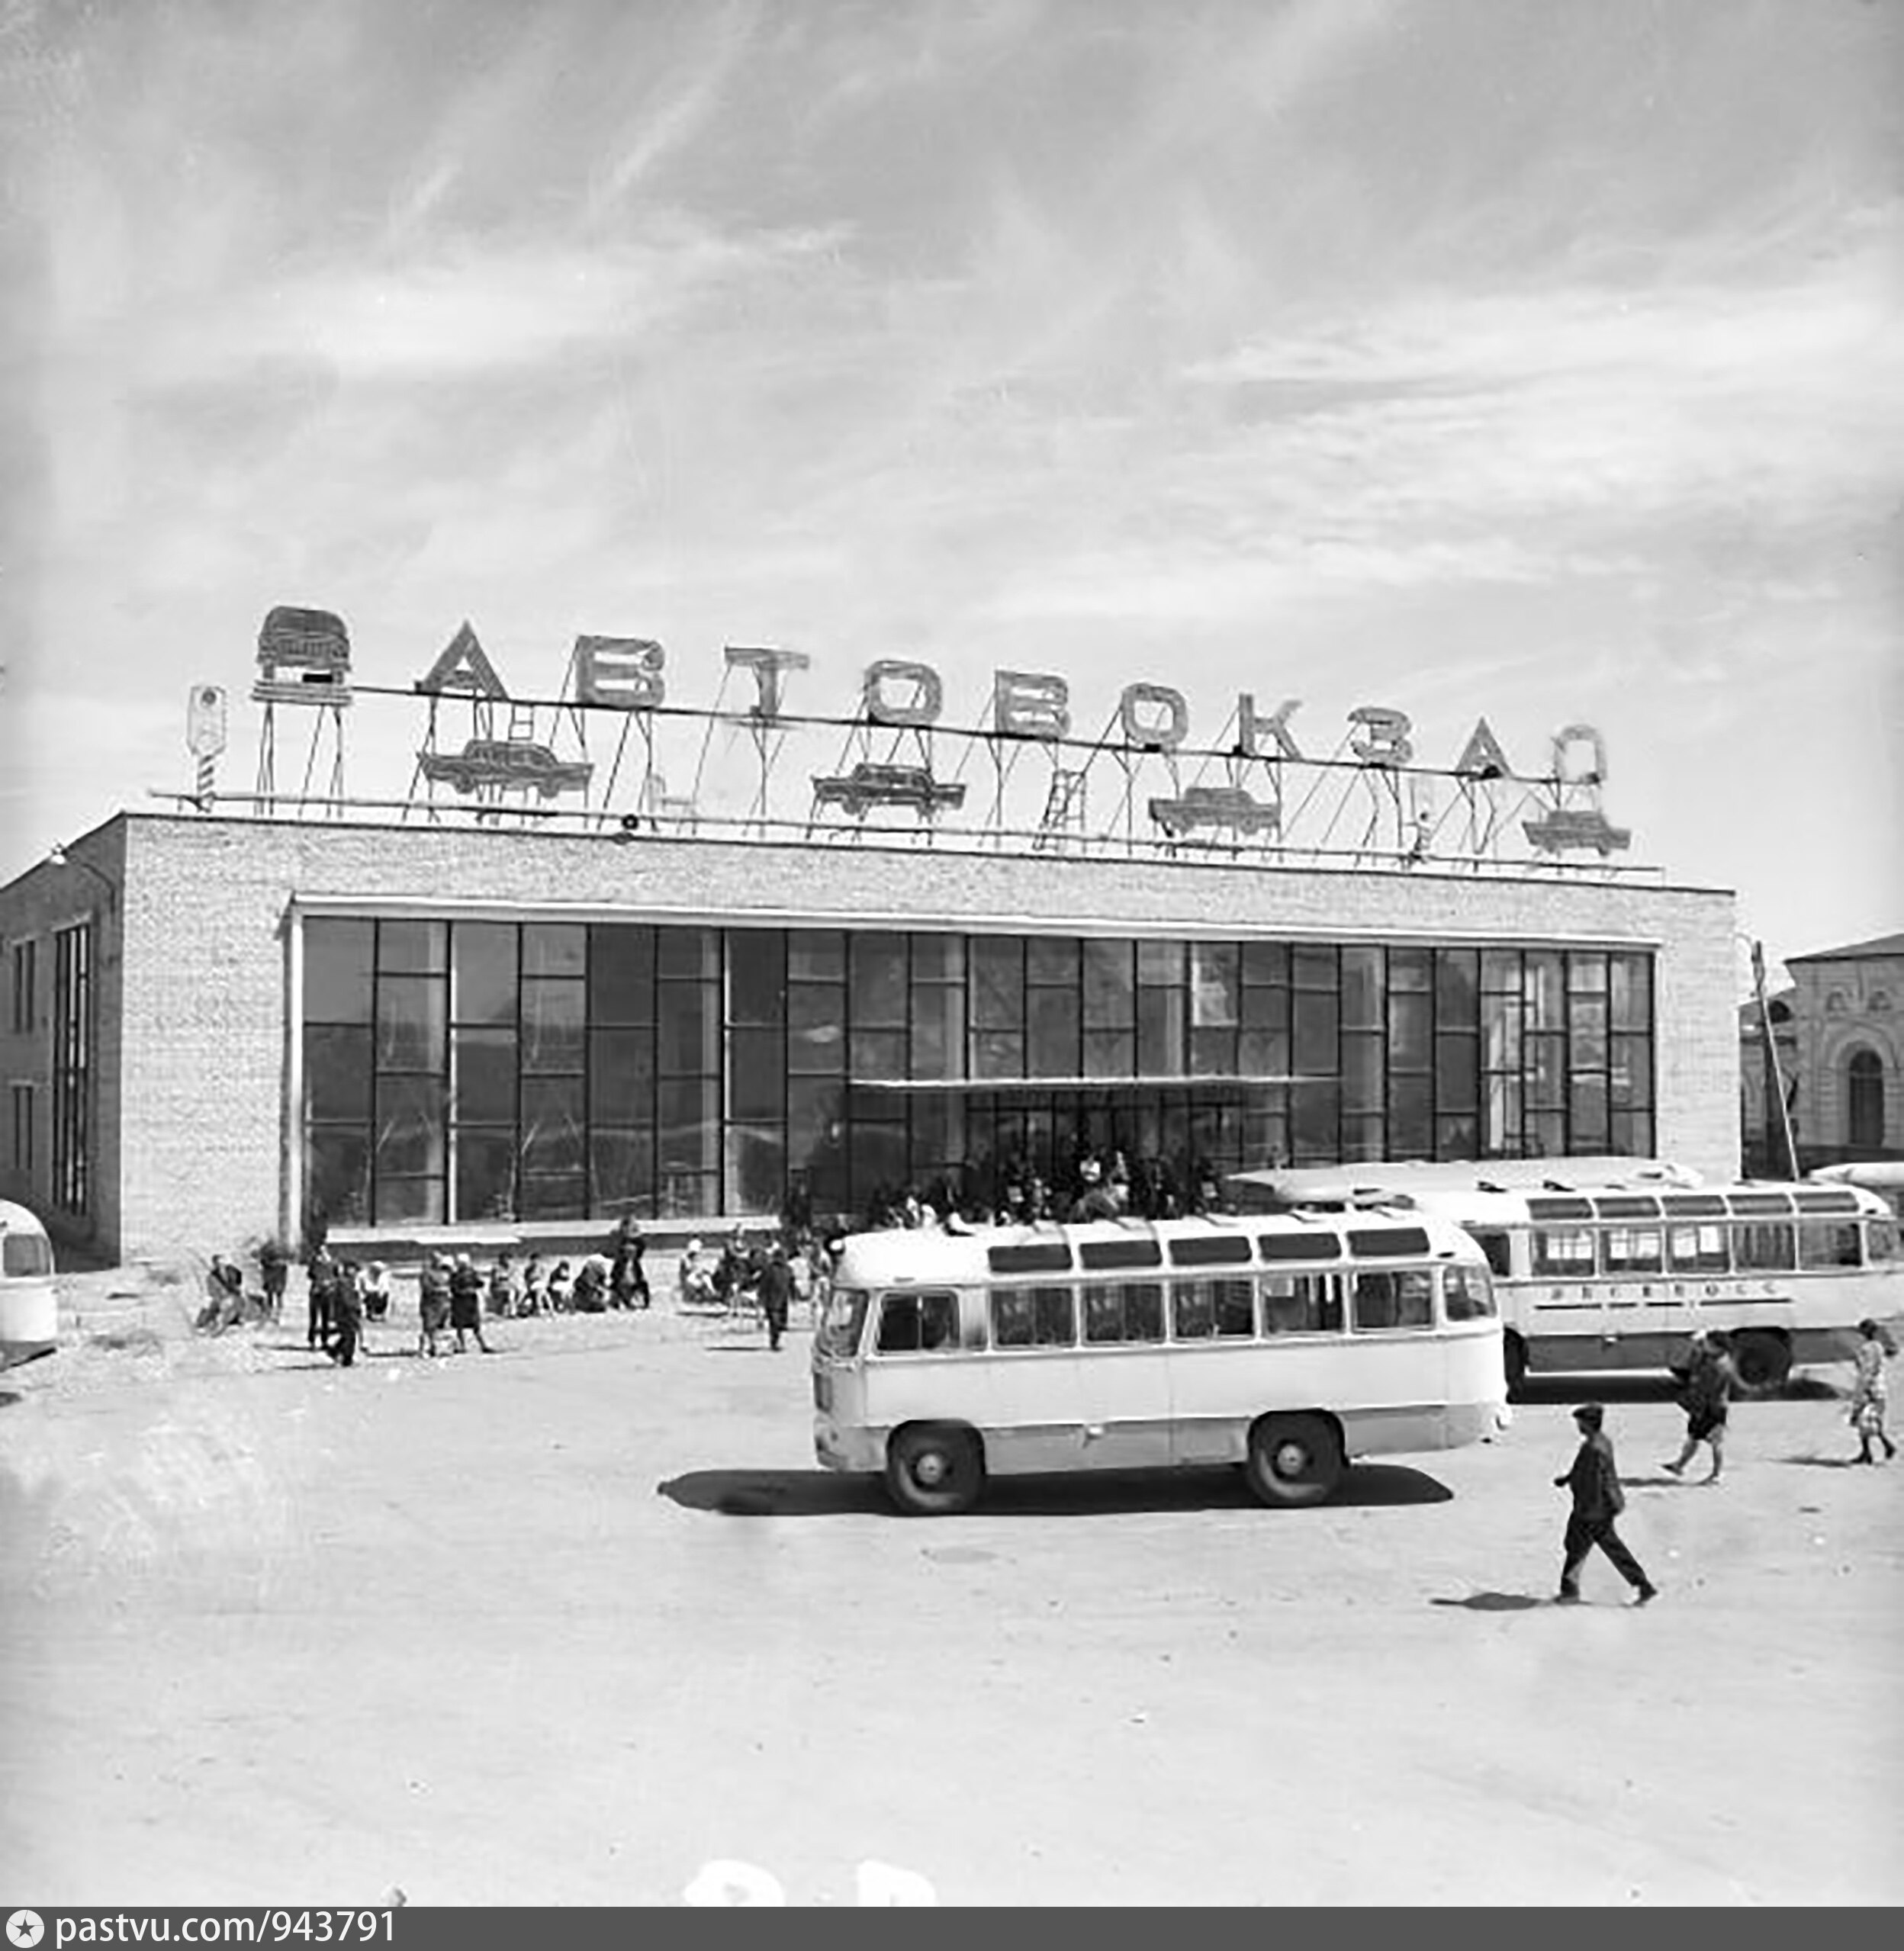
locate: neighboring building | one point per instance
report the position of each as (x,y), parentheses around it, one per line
(1845,1003)
(220,1027)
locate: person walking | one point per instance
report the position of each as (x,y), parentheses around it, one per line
(1598,1501)
(466,1304)
(432,1302)
(777,1290)
(1870,1394)
(346,1318)
(322,1278)
(273,1270)
(1709,1376)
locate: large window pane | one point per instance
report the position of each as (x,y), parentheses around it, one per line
(1314,1117)
(816,1030)
(1409,1016)
(1265,964)
(815,1108)
(411,1025)
(1213,1052)
(938,959)
(1051,962)
(554,948)
(1216,984)
(756,1167)
(485,1174)
(1160,1032)
(1544,991)
(1315,1032)
(1630,991)
(620,974)
(552,1026)
(1457,988)
(621,1171)
(552,1124)
(1363,988)
(1110,1053)
(483,972)
(689,1125)
(483,1076)
(816,955)
(621,1076)
(878,1053)
(690,1040)
(1411,1125)
(756,1077)
(1053,1033)
(689,952)
(1457,1072)
(998,982)
(1110,986)
(1160,964)
(1363,1074)
(409,1125)
(337,965)
(409,1202)
(338,1163)
(337,1065)
(1587,1028)
(938,1032)
(412,947)
(1313,966)
(877,982)
(1631,1062)
(553,1196)
(997,1053)
(755,976)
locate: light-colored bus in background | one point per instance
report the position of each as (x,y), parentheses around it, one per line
(1595,1270)
(29,1307)
(1287,1345)
(1883,1176)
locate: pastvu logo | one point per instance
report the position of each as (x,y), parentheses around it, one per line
(25,1929)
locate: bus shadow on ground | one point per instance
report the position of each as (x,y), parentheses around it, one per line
(806,1493)
(1557,1390)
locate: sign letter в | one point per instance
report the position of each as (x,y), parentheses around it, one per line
(622,672)
(1174,717)
(1030,704)
(920,709)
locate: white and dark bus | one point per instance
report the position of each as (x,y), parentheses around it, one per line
(1595,1276)
(1287,1344)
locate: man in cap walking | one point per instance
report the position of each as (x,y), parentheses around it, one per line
(1598,1501)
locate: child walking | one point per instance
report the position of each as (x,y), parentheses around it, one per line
(1870,1394)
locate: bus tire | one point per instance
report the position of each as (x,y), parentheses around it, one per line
(933,1469)
(1764,1360)
(1513,1359)
(1294,1460)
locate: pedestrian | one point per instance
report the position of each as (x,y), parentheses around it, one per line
(466,1304)
(534,1297)
(505,1288)
(224,1296)
(1096,1200)
(560,1282)
(1707,1398)
(631,1274)
(375,1287)
(590,1293)
(1868,1394)
(346,1318)
(322,1277)
(273,1270)
(777,1290)
(1598,1501)
(432,1302)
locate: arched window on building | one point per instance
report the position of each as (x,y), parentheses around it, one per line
(1864,1101)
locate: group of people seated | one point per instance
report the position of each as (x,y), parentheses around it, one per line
(1103,1185)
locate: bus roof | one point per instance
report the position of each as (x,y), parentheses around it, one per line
(18,1219)
(1554,1204)
(899,1255)
(1362,1185)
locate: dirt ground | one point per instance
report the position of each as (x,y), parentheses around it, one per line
(572,1622)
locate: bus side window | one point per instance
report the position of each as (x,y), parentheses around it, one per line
(1698,1248)
(1054,1316)
(1131,1312)
(1013,1324)
(1301,1304)
(899,1324)
(1193,1314)
(1466,1294)
(938,1322)
(1881,1241)
(1763,1246)
(1564,1252)
(1495,1250)
(1235,1303)
(1828,1242)
(1631,1250)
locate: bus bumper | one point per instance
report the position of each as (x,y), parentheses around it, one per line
(836,1448)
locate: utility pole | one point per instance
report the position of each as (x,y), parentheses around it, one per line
(1775,1077)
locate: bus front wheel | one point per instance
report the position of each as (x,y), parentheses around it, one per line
(1294,1460)
(1764,1361)
(932,1471)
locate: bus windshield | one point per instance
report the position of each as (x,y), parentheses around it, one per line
(845,1315)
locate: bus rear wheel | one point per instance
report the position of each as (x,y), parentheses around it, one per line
(933,1471)
(1763,1359)
(1294,1460)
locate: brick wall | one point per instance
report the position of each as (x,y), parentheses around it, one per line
(207,902)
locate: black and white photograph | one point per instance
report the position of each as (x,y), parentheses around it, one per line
(951,955)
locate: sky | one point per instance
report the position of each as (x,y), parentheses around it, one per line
(1531,360)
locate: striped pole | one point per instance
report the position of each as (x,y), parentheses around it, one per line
(207,772)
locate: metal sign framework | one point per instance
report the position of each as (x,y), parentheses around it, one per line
(599,756)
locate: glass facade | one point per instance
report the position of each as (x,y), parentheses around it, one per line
(485,1071)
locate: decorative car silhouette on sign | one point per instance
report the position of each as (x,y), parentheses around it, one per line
(1225,806)
(868,785)
(1573,827)
(511,762)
